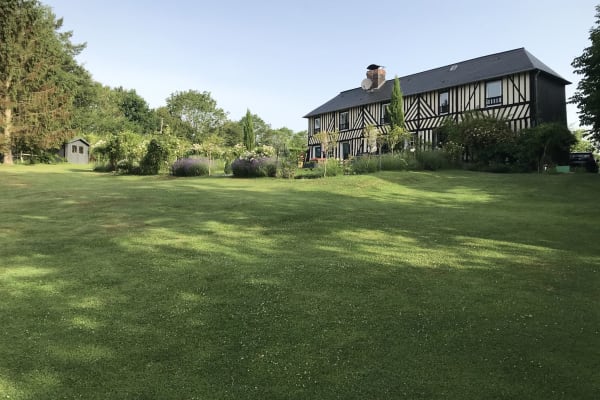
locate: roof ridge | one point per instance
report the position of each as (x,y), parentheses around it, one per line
(465,61)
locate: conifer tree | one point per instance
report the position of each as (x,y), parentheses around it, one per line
(395,113)
(249,138)
(39,78)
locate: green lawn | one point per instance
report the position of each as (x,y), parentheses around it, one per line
(445,285)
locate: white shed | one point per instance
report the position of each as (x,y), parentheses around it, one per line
(76,151)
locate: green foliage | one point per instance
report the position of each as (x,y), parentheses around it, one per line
(232,133)
(587,95)
(395,115)
(485,139)
(126,146)
(431,160)
(249,135)
(364,164)
(331,167)
(393,162)
(155,158)
(288,168)
(128,167)
(194,115)
(328,142)
(136,111)
(212,147)
(545,144)
(100,113)
(298,141)
(581,144)
(39,77)
(395,110)
(397,135)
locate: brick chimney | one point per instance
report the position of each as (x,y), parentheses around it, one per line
(376,75)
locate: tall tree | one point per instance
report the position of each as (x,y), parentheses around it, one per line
(38,78)
(262,130)
(136,110)
(587,95)
(395,114)
(249,135)
(232,133)
(110,111)
(196,114)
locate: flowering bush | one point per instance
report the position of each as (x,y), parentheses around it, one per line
(254,167)
(190,167)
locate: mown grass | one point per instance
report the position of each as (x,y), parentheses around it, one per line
(411,285)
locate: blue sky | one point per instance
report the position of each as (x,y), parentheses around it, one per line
(283,59)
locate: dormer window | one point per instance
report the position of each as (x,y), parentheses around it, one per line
(493,93)
(344,121)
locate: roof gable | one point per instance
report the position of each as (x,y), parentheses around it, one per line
(80,139)
(474,70)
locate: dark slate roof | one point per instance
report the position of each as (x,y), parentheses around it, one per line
(475,70)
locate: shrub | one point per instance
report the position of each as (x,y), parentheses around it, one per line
(288,168)
(118,147)
(127,167)
(393,162)
(102,167)
(431,160)
(544,144)
(155,157)
(365,165)
(254,167)
(334,167)
(485,139)
(227,168)
(189,167)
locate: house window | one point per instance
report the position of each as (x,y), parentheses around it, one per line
(384,118)
(444,103)
(493,93)
(344,123)
(73,149)
(80,149)
(317,125)
(317,151)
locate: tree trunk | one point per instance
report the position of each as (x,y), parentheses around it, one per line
(8,157)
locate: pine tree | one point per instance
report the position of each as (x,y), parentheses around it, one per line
(587,95)
(38,78)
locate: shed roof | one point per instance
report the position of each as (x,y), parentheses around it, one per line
(78,139)
(474,70)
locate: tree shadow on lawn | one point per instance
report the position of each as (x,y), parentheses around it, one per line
(276,300)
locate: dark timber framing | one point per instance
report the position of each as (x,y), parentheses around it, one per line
(530,93)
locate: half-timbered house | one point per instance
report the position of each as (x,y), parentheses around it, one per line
(512,85)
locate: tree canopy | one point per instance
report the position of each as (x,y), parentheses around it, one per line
(39,78)
(196,114)
(587,95)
